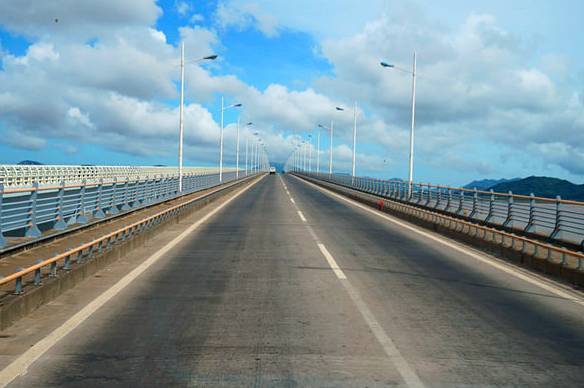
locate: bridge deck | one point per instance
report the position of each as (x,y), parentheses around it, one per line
(250,299)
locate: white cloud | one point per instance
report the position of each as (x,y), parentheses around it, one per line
(78,117)
(183,8)
(474,83)
(243,15)
(75,19)
(478,84)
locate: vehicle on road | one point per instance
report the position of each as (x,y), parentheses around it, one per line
(272,170)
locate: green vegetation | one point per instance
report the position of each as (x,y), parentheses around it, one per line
(543,187)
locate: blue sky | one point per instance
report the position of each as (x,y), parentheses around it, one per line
(500,92)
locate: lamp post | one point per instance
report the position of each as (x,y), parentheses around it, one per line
(413,120)
(223,109)
(181,111)
(354,138)
(253,149)
(331,146)
(309,153)
(318,152)
(304,161)
(237,152)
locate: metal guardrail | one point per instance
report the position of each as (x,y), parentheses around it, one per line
(25,211)
(564,258)
(12,175)
(553,219)
(80,254)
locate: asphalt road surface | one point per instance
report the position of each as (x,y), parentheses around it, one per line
(294,287)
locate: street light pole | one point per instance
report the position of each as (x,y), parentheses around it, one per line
(221,143)
(309,153)
(411,175)
(181,118)
(223,108)
(237,152)
(354,139)
(331,152)
(413,120)
(304,163)
(318,152)
(181,110)
(246,146)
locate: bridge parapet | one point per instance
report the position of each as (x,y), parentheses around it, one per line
(27,211)
(26,176)
(554,220)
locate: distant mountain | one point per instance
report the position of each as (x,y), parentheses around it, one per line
(485,184)
(543,187)
(29,163)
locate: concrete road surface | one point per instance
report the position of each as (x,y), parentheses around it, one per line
(289,286)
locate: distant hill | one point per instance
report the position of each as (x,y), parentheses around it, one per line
(29,163)
(543,187)
(485,184)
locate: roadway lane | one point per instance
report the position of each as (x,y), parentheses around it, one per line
(236,305)
(251,300)
(457,320)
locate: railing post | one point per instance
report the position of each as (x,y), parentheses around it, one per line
(125,203)
(531,222)
(81,215)
(60,222)
(2,240)
(491,206)
(460,210)
(33,230)
(475,202)
(146,189)
(438,197)
(449,199)
(429,198)
(509,220)
(558,224)
(37,275)
(113,208)
(98,205)
(18,288)
(421,195)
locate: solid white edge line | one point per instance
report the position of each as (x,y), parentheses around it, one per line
(301,216)
(500,266)
(332,262)
(24,361)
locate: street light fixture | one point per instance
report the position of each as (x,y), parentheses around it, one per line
(181,109)
(413,120)
(223,109)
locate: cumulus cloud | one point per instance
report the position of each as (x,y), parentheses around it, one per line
(75,18)
(104,74)
(243,15)
(473,83)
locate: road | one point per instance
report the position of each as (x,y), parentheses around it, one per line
(294,287)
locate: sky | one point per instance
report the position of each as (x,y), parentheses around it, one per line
(500,86)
